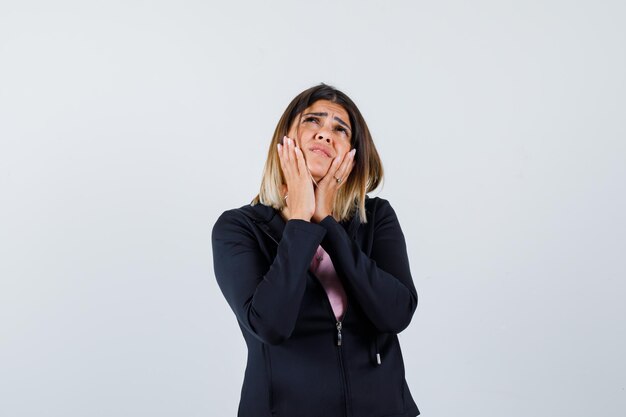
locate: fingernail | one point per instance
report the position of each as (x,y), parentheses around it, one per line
(280,146)
(353,151)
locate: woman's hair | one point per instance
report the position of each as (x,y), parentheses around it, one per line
(366,175)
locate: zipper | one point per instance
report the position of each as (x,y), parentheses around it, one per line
(342,370)
(339,343)
(339,325)
(344,381)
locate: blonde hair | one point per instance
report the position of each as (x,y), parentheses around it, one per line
(365,177)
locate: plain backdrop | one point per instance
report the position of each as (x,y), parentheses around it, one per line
(127,127)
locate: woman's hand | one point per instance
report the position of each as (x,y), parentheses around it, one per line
(327,187)
(301,196)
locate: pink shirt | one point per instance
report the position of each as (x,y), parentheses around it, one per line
(323,268)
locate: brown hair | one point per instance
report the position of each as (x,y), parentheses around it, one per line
(366,175)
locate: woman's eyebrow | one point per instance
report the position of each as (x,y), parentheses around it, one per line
(323,114)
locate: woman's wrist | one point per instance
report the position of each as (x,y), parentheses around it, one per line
(299,217)
(317,218)
(287,215)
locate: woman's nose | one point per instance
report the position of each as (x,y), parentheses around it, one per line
(323,136)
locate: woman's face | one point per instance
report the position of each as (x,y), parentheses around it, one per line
(322,132)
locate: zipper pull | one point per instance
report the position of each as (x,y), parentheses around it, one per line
(338,333)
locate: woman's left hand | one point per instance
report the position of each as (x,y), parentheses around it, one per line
(326,191)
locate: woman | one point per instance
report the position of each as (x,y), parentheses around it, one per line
(317,272)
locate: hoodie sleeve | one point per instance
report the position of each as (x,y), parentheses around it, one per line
(381,283)
(265,297)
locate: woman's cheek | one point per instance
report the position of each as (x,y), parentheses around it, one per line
(292,134)
(342,153)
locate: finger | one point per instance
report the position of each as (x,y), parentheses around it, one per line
(346,166)
(286,147)
(294,157)
(347,174)
(282,156)
(300,160)
(329,178)
(279,150)
(291,156)
(288,154)
(350,166)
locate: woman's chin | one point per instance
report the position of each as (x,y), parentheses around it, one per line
(318,172)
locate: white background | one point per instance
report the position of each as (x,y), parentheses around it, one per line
(127,127)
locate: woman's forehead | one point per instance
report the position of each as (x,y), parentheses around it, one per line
(328,107)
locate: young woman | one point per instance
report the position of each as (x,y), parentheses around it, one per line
(317,272)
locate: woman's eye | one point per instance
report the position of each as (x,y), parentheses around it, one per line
(342,130)
(310,119)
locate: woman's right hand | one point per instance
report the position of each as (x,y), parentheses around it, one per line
(300,193)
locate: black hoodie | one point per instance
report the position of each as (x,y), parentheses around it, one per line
(301,361)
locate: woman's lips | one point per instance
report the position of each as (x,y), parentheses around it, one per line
(320,150)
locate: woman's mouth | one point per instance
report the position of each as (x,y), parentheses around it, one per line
(320,150)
